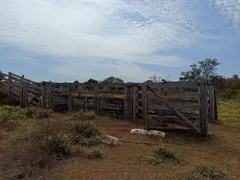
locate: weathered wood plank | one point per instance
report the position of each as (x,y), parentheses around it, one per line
(175,111)
(185,95)
(203,110)
(70,98)
(190,85)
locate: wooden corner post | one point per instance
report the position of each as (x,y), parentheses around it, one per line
(96,98)
(204,109)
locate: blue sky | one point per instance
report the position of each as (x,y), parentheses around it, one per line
(67,40)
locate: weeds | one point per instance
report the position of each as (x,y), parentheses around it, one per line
(10,113)
(86,129)
(89,153)
(161,155)
(209,171)
(84,116)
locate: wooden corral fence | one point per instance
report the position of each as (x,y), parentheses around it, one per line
(167,106)
(24,90)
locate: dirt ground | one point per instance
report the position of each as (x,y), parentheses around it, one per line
(222,149)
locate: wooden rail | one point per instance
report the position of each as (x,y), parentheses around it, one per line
(189,104)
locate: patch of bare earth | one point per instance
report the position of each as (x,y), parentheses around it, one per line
(122,162)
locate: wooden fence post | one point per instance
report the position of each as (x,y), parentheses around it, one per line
(145,105)
(44,95)
(70,98)
(22,92)
(203,109)
(134,104)
(96,98)
(9,86)
(126,102)
(50,96)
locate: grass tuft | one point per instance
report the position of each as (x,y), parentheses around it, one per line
(84,116)
(209,171)
(88,153)
(161,154)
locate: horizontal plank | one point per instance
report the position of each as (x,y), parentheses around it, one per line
(191,106)
(16,79)
(190,85)
(34,91)
(111,108)
(185,95)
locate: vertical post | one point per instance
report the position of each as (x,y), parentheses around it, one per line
(96,98)
(85,103)
(22,91)
(215,105)
(44,95)
(26,94)
(9,86)
(134,95)
(203,109)
(70,98)
(126,102)
(50,96)
(145,105)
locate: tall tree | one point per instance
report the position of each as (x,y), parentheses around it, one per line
(111,80)
(203,70)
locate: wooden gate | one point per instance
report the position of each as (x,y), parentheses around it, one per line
(176,106)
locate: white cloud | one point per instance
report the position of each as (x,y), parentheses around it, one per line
(127,31)
(230,10)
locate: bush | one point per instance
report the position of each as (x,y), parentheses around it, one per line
(84,116)
(52,137)
(166,153)
(86,129)
(44,113)
(31,112)
(209,171)
(23,161)
(161,155)
(89,153)
(10,113)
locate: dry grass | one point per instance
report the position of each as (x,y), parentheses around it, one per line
(229,112)
(215,157)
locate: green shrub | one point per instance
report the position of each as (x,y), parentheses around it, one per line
(86,129)
(166,153)
(209,171)
(44,113)
(84,116)
(152,160)
(31,112)
(161,155)
(10,113)
(89,153)
(52,137)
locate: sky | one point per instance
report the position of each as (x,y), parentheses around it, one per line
(67,40)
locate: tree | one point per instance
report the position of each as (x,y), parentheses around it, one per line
(112,80)
(155,79)
(203,70)
(235,76)
(91,81)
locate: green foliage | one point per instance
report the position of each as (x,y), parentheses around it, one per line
(86,130)
(162,154)
(111,80)
(31,112)
(152,160)
(229,112)
(44,113)
(84,116)
(89,153)
(10,113)
(209,171)
(203,70)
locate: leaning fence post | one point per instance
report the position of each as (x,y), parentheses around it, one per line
(96,98)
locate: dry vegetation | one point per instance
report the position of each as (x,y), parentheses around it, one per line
(40,144)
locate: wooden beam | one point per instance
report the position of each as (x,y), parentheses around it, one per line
(174,110)
(145,105)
